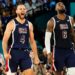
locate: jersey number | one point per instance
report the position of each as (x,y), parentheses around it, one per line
(22,39)
(64,34)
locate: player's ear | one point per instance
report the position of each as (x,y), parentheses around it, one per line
(56,7)
(16,10)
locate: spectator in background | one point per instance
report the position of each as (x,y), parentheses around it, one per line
(1,30)
(52,4)
(2,4)
(39,3)
(34,4)
(44,56)
(1,7)
(45,4)
(45,1)
(1,35)
(2,60)
(5,17)
(49,70)
(18,1)
(2,64)
(28,5)
(9,5)
(13,12)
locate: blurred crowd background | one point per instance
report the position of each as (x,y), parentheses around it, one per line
(39,12)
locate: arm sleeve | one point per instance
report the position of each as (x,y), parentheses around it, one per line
(47,41)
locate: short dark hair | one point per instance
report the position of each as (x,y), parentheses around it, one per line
(19,3)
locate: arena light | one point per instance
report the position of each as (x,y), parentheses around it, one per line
(14,2)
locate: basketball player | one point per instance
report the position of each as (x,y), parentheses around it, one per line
(22,34)
(61,26)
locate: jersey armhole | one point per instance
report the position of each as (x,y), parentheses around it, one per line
(54,22)
(14,26)
(29,24)
(54,31)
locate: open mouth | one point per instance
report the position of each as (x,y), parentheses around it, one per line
(22,14)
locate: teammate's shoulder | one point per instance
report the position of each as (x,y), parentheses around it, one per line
(70,17)
(30,23)
(51,20)
(11,22)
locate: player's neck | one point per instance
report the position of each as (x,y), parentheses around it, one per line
(20,20)
(61,16)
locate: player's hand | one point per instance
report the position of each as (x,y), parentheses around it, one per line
(7,56)
(36,60)
(50,58)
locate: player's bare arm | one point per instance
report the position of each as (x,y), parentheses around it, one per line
(33,43)
(49,30)
(7,34)
(50,25)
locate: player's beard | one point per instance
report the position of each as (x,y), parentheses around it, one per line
(61,11)
(21,16)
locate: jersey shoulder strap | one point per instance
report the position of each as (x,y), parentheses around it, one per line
(54,20)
